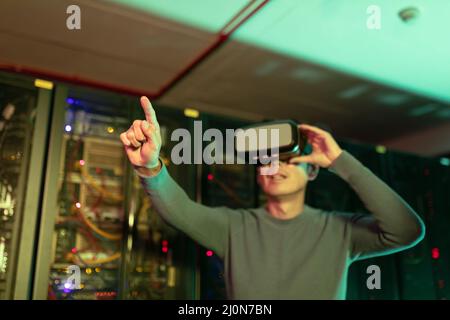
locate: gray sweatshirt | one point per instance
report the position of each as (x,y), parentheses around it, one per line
(306,257)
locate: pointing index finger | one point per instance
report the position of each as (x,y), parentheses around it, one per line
(149,112)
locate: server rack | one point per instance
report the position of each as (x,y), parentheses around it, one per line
(96,221)
(24,128)
(230,185)
(72,207)
(424,184)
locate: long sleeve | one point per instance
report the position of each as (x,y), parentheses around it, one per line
(208,226)
(393,225)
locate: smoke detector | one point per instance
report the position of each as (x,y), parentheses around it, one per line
(409,14)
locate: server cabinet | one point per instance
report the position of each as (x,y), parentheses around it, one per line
(99,236)
(427,183)
(162,261)
(423,183)
(24,111)
(230,185)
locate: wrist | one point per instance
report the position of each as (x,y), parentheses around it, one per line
(149,171)
(335,156)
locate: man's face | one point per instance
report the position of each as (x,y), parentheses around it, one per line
(289,179)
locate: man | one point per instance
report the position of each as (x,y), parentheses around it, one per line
(285,250)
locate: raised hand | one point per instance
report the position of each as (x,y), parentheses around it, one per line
(325,148)
(142,141)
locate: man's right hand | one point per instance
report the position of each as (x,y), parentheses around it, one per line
(142,141)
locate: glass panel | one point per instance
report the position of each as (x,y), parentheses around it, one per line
(89,224)
(17,112)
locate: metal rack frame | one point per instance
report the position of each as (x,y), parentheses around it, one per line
(19,281)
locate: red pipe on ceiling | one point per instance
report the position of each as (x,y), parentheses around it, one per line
(222,36)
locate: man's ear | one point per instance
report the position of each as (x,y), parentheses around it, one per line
(313,171)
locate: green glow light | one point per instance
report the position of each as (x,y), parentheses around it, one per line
(380,149)
(445,161)
(334,33)
(412,57)
(209,15)
(422,110)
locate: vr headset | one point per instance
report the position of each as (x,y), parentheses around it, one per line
(272,140)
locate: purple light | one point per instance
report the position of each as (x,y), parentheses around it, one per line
(70,101)
(68,128)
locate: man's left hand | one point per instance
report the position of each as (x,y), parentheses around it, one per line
(325,148)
